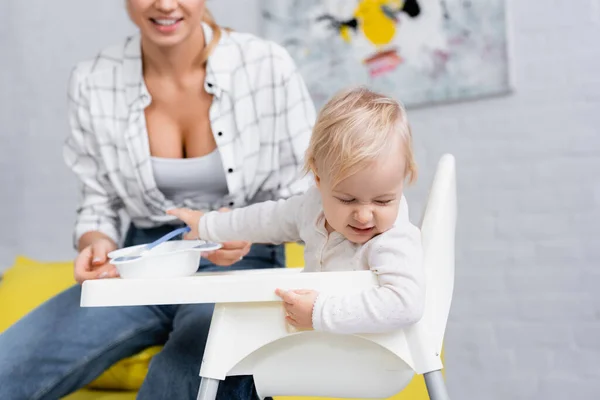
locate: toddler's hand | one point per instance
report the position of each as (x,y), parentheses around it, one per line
(298,305)
(191,219)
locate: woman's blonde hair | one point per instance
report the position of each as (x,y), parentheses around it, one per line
(217,32)
(354,128)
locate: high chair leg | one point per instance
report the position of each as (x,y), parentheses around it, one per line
(436,387)
(208,389)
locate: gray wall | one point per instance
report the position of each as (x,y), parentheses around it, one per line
(40,44)
(525,321)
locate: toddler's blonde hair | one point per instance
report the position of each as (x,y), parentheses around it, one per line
(353,129)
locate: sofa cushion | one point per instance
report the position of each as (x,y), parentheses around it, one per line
(29,283)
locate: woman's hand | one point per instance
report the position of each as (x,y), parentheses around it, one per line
(92,261)
(229,253)
(298,305)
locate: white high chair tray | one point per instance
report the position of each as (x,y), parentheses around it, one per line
(218,287)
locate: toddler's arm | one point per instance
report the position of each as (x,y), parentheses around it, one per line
(267,222)
(396,258)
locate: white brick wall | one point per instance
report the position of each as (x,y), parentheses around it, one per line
(525,322)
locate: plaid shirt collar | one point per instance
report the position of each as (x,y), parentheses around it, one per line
(136,92)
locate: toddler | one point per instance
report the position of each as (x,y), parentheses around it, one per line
(354,218)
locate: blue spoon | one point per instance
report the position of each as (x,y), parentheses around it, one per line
(152,245)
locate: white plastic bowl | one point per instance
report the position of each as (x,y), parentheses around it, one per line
(172,259)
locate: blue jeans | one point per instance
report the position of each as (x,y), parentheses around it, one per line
(60,347)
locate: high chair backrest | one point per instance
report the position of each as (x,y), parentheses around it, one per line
(438,234)
(438,228)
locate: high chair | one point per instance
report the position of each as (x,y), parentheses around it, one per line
(249,336)
(252,338)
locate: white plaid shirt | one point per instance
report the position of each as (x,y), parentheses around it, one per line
(261,117)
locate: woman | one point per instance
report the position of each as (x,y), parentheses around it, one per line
(184,114)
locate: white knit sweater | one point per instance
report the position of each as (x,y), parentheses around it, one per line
(395,256)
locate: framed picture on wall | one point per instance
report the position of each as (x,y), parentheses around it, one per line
(419,51)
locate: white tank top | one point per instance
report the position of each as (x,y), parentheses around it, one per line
(199,179)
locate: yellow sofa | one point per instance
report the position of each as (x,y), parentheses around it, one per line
(28,283)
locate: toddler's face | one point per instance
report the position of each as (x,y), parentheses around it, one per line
(366,203)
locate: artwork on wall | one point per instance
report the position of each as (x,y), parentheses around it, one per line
(419,51)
